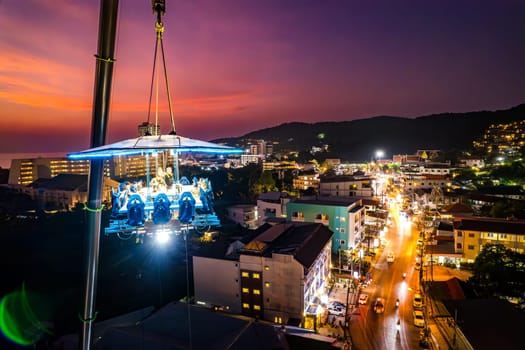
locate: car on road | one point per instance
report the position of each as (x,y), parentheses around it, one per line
(379,306)
(336,310)
(363,299)
(336,304)
(419,319)
(390,257)
(417,301)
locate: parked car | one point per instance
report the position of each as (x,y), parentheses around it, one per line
(363,299)
(337,311)
(336,304)
(419,319)
(379,306)
(417,301)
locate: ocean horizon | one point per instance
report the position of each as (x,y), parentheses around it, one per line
(5,158)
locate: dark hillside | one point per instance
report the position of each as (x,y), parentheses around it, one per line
(358,139)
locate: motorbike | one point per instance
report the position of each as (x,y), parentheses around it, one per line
(404,275)
(397,303)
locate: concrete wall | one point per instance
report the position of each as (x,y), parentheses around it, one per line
(216,282)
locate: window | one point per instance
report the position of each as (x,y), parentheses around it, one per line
(458,245)
(245,305)
(471,235)
(267,284)
(503,236)
(342,230)
(277,319)
(245,274)
(471,247)
(256,292)
(460,233)
(256,275)
(256,307)
(246,290)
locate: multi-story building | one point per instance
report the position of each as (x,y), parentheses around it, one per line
(148,129)
(346,185)
(344,216)
(64,191)
(471,161)
(249,158)
(271,205)
(243,214)
(426,176)
(422,155)
(276,274)
(305,180)
(26,171)
(140,166)
(472,233)
(279,165)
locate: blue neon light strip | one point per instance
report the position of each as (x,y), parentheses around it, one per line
(108,153)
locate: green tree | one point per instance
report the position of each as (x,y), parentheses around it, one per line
(265,183)
(497,271)
(511,174)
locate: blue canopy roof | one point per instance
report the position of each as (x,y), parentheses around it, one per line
(154,144)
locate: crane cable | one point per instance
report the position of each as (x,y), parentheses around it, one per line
(159,8)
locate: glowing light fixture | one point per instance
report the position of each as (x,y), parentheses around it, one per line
(162,236)
(154,145)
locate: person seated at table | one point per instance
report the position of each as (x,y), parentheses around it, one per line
(158,183)
(123,194)
(168,177)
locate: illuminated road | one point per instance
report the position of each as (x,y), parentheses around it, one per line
(378,331)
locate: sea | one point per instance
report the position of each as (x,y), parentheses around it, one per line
(5,158)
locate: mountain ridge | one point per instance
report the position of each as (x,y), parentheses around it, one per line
(359,139)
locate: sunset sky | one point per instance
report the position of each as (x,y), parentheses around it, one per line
(235,66)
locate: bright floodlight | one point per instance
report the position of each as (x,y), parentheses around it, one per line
(162,236)
(380,154)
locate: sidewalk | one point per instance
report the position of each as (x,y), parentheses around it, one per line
(444,333)
(336,326)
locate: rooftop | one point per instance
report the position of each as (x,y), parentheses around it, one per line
(330,201)
(302,240)
(485,224)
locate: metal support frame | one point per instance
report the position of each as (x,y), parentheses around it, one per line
(101,102)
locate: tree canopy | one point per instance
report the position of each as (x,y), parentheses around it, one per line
(498,271)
